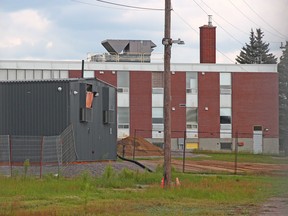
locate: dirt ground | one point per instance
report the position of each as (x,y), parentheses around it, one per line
(276,206)
(210,166)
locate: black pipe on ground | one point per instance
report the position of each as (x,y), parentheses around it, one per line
(135,162)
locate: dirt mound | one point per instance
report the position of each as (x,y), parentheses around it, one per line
(142,147)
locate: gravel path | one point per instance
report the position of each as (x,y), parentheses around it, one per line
(97,168)
(72,170)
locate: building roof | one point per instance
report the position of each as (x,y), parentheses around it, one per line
(134,66)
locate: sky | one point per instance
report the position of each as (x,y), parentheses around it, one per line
(70,29)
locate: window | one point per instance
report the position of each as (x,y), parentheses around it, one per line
(123,115)
(191,115)
(123,79)
(226,146)
(225,115)
(191,83)
(257,128)
(157,115)
(191,80)
(157,91)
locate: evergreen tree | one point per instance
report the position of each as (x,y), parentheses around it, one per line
(283,99)
(257,52)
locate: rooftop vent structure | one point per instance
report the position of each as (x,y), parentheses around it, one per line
(125,51)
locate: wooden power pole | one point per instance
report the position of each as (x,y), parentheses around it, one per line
(167,42)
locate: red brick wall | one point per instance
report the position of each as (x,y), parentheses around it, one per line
(208,96)
(255,102)
(107,76)
(207,44)
(75,73)
(178,92)
(141,103)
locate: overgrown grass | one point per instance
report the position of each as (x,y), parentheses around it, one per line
(136,193)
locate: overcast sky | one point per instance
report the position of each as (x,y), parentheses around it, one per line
(69,29)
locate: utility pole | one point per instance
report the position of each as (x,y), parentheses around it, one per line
(167,42)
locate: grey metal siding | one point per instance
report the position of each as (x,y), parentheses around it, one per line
(94,139)
(34,108)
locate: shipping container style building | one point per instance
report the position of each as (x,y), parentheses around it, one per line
(47,107)
(214,106)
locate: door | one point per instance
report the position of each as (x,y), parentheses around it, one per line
(257,140)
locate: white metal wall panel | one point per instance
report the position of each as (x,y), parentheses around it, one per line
(46,74)
(12,75)
(20,75)
(64,74)
(38,74)
(191,100)
(225,100)
(123,99)
(29,74)
(156,134)
(3,75)
(157,100)
(190,133)
(55,74)
(122,133)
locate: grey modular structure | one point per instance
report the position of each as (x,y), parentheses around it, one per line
(47,107)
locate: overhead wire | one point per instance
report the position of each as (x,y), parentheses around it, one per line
(224,18)
(188,24)
(248,18)
(222,29)
(127,7)
(97,5)
(263,19)
(130,6)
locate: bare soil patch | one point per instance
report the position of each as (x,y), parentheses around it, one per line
(276,206)
(206,166)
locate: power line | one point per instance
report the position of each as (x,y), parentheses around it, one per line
(130,6)
(96,5)
(222,29)
(224,18)
(198,33)
(218,23)
(263,19)
(116,4)
(188,24)
(247,17)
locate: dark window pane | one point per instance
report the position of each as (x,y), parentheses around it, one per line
(226,146)
(225,119)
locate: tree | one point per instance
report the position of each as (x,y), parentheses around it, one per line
(257,52)
(283,99)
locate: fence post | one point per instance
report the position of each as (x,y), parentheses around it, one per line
(184,151)
(10,161)
(41,156)
(236,153)
(123,150)
(134,143)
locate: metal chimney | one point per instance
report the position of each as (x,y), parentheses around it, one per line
(210,20)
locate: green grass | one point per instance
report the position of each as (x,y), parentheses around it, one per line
(242,157)
(137,193)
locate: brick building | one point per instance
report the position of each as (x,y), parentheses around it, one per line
(214,105)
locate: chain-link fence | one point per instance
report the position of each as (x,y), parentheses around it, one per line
(36,155)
